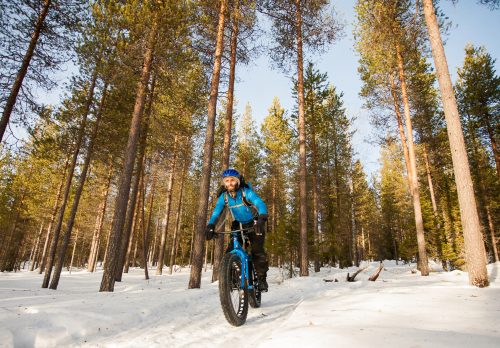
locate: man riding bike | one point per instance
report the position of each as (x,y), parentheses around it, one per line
(239,197)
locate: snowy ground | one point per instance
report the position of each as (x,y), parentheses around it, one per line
(400,309)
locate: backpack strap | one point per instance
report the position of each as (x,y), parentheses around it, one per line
(246,202)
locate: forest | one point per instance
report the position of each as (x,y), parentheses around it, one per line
(123,172)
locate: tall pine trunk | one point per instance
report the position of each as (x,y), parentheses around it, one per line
(473,242)
(94,248)
(304,259)
(113,247)
(78,193)
(208,148)
(315,200)
(439,243)
(67,188)
(16,87)
(175,237)
(36,246)
(133,197)
(417,208)
(402,135)
(168,205)
(228,123)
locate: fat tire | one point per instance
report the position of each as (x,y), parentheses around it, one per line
(229,269)
(255,296)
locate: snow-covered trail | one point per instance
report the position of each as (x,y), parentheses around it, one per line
(400,309)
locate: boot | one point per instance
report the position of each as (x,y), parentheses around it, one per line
(263,287)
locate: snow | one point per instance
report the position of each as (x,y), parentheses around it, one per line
(400,309)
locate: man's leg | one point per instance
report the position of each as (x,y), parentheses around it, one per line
(259,257)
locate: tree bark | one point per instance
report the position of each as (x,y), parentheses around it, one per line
(43,258)
(69,179)
(34,253)
(147,229)
(113,248)
(402,135)
(219,242)
(492,234)
(78,193)
(491,135)
(473,241)
(132,236)
(74,249)
(417,209)
(16,87)
(177,218)
(315,200)
(434,210)
(98,224)
(304,259)
(201,214)
(140,164)
(168,205)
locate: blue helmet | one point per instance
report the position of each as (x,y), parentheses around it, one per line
(231,172)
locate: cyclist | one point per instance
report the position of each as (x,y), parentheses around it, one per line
(239,197)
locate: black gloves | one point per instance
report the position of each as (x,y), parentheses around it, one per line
(262,218)
(261,222)
(210,231)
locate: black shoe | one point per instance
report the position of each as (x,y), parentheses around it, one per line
(263,287)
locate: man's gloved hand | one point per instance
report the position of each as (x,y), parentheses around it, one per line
(261,221)
(210,231)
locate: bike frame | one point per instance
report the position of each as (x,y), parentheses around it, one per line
(244,257)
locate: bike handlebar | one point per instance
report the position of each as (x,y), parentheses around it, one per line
(240,230)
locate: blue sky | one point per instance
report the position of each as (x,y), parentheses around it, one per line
(258,83)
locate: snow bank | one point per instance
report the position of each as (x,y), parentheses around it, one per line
(400,309)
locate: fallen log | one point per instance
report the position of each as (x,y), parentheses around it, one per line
(375,275)
(351,278)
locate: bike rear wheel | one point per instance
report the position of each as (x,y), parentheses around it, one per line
(233,298)
(255,295)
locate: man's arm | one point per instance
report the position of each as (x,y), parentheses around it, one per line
(219,206)
(256,201)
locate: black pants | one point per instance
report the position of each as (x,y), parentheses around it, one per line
(259,255)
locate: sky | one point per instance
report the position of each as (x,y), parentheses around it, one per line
(258,82)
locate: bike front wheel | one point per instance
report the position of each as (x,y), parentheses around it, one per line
(233,298)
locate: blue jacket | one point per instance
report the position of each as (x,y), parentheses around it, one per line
(240,211)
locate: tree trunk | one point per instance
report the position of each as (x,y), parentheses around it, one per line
(34,253)
(113,248)
(402,135)
(304,260)
(219,242)
(43,258)
(434,210)
(16,87)
(69,179)
(74,249)
(177,218)
(135,188)
(168,204)
(78,193)
(98,224)
(315,200)
(125,264)
(148,226)
(419,222)
(494,147)
(201,214)
(492,234)
(473,241)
